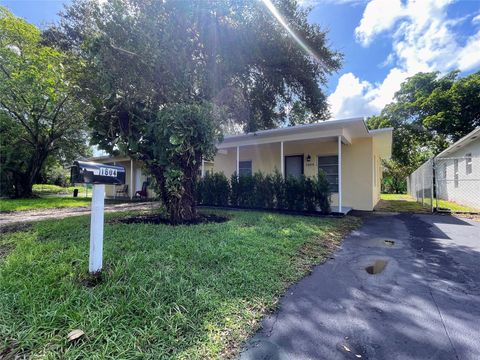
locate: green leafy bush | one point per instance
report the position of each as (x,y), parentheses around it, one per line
(323,194)
(246,188)
(278,182)
(309,192)
(213,189)
(265,191)
(234,189)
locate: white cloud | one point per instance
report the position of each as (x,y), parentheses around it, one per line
(476,19)
(469,56)
(379,15)
(423,39)
(348,99)
(354,97)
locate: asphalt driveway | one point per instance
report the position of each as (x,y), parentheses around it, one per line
(425,304)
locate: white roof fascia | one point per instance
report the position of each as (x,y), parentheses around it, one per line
(382,130)
(109,158)
(461,142)
(323,129)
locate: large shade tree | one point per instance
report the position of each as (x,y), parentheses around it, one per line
(429,112)
(166,77)
(40,116)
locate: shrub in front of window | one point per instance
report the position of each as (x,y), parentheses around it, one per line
(234,190)
(294,193)
(278,183)
(221,189)
(263,194)
(246,194)
(322,193)
(265,191)
(310,194)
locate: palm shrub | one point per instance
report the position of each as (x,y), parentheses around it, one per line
(234,189)
(265,191)
(322,192)
(263,194)
(291,189)
(206,190)
(221,189)
(246,192)
(278,184)
(269,191)
(310,194)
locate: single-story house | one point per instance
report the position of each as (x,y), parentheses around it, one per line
(346,150)
(457,171)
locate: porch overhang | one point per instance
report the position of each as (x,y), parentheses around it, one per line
(347,129)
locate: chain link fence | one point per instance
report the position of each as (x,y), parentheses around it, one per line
(420,184)
(451,183)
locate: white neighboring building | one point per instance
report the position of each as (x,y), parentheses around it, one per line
(457,171)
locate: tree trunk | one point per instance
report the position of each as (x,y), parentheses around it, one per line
(181,208)
(25,188)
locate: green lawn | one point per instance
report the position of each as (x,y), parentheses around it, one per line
(8,205)
(405,203)
(168,292)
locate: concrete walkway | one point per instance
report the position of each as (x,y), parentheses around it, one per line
(60,213)
(424,305)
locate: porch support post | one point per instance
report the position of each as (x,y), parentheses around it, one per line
(131,179)
(339,174)
(238,160)
(203,167)
(282,163)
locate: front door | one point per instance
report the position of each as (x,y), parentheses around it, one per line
(294,165)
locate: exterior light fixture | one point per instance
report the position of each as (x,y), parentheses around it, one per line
(309,158)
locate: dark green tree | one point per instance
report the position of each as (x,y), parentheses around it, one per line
(428,113)
(230,56)
(40,115)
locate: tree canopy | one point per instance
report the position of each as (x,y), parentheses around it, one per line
(429,112)
(147,60)
(39,113)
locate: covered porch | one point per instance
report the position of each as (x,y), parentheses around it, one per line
(134,179)
(290,155)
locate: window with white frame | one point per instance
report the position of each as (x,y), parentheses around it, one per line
(329,165)
(468,163)
(245,168)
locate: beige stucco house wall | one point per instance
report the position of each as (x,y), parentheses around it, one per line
(361,154)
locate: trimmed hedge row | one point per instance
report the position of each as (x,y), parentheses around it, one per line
(265,192)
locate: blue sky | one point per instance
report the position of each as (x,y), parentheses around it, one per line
(383,41)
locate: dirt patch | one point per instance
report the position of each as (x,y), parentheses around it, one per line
(5,249)
(11,228)
(91,280)
(158,219)
(377,267)
(23,217)
(12,351)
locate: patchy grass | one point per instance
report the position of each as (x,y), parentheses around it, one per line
(405,203)
(9,205)
(180,292)
(455,207)
(47,189)
(400,203)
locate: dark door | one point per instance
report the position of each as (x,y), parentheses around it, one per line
(294,165)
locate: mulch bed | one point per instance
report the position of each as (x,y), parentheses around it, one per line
(158,219)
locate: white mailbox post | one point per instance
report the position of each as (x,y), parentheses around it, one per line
(96,229)
(97,174)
